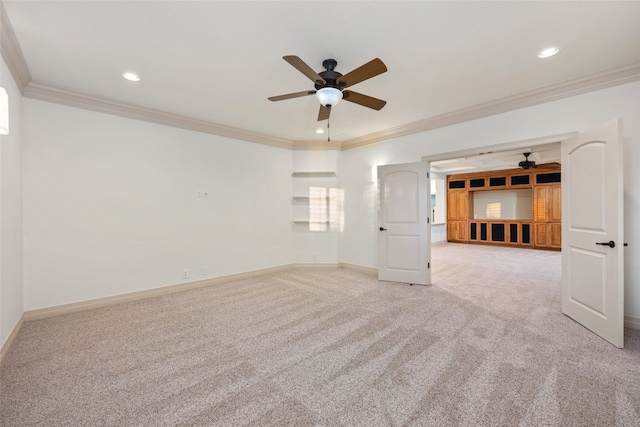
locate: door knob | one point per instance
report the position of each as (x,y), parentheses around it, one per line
(610,243)
(383,229)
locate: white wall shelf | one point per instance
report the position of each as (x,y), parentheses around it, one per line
(308,199)
(311,222)
(314,174)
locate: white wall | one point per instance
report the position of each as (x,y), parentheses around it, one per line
(11,296)
(578,113)
(110,205)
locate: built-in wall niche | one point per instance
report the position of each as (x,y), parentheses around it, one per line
(503,204)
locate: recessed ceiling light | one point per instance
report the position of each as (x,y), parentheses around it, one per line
(548,52)
(133,77)
(319,130)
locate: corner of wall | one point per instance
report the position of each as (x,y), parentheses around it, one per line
(11,220)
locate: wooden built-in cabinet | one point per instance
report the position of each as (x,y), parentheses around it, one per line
(508,232)
(542,229)
(457,215)
(547,214)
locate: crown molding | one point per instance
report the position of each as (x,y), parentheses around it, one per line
(568,88)
(12,53)
(565,89)
(317,145)
(78,100)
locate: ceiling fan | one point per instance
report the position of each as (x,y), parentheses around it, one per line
(526,163)
(330,84)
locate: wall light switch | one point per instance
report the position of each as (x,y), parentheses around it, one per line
(205,194)
(198,194)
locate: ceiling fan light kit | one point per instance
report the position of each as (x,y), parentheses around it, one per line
(329,84)
(329,96)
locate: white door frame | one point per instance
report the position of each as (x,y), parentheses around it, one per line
(507,146)
(525,143)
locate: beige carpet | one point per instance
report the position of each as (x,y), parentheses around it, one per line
(485,345)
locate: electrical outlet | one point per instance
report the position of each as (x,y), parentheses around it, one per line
(205,271)
(314,257)
(185,274)
(205,194)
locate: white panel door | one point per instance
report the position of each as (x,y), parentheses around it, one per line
(403,215)
(592,231)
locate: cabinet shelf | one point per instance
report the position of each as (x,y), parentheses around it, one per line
(308,199)
(314,174)
(311,222)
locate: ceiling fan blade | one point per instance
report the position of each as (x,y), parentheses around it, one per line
(368,70)
(302,66)
(291,95)
(364,100)
(324,113)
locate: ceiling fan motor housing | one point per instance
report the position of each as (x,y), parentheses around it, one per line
(526,163)
(330,76)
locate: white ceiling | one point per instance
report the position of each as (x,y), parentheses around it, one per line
(498,160)
(219,61)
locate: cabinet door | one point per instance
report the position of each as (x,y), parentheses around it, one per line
(554,200)
(457,231)
(540,206)
(452,206)
(555,235)
(457,205)
(452,231)
(463,206)
(462,231)
(541,236)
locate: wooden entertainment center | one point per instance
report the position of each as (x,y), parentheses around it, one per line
(540,228)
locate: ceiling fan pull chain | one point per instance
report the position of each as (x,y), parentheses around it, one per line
(328,131)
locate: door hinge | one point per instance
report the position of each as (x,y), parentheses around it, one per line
(428,220)
(428,265)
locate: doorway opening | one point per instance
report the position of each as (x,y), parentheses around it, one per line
(592,287)
(485,159)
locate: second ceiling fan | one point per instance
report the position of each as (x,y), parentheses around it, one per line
(330,84)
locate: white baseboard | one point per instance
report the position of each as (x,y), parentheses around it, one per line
(318,265)
(360,268)
(58,310)
(4,348)
(632,322)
